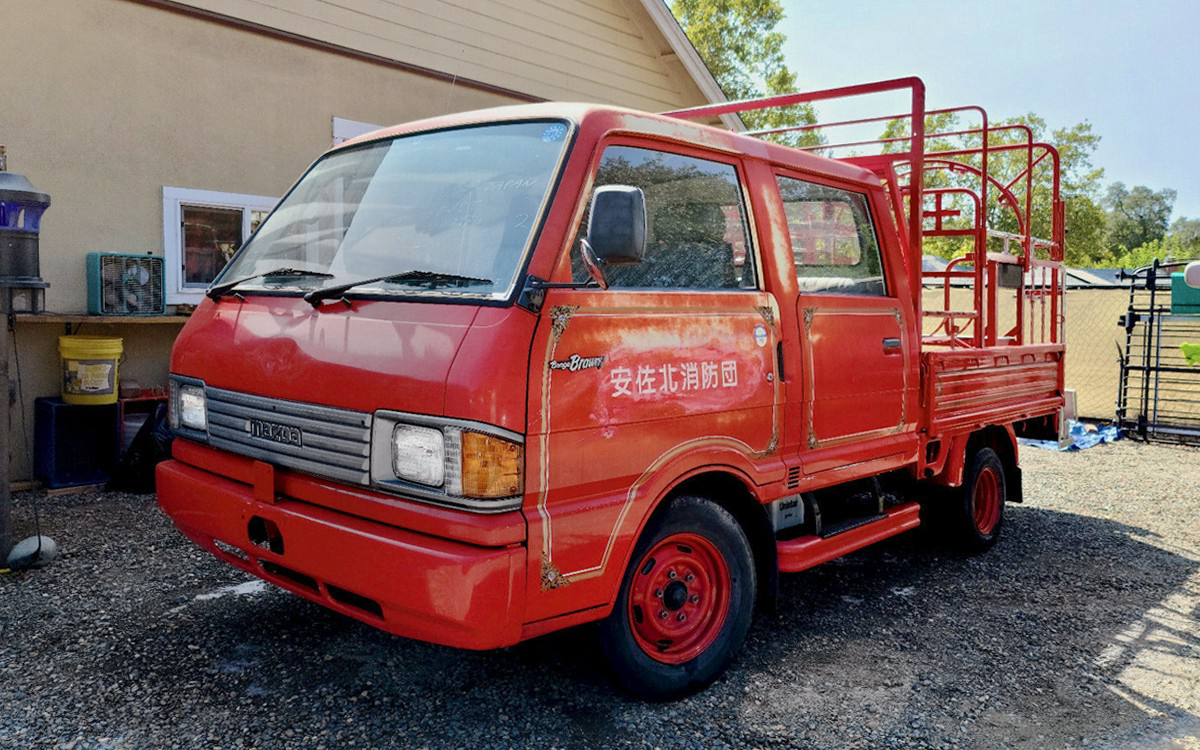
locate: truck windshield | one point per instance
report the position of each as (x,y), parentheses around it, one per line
(459,203)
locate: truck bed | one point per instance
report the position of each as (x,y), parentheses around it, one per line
(967,388)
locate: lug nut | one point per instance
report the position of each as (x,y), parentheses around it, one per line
(681,617)
(671,574)
(694,598)
(662,614)
(689,578)
(658,593)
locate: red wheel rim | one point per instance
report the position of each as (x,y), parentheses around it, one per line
(679,598)
(986,500)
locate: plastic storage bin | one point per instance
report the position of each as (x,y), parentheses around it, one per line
(1184,299)
(74,445)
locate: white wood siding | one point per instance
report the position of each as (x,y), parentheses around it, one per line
(605,51)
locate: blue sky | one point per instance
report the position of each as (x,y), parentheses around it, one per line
(1130,68)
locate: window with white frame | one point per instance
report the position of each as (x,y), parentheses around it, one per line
(201,231)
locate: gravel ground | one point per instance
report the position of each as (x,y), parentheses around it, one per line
(1080,629)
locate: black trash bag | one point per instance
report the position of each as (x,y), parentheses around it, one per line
(150,446)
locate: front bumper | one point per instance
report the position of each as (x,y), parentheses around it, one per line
(408,583)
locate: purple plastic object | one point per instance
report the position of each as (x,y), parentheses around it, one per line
(21,205)
(21,209)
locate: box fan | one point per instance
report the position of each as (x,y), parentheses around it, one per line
(124,284)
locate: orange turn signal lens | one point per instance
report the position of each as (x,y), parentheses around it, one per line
(491,466)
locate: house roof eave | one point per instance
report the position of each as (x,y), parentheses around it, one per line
(689,58)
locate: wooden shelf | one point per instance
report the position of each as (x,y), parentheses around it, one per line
(101,319)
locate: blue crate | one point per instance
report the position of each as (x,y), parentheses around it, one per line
(74,444)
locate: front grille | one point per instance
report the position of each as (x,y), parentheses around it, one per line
(333,443)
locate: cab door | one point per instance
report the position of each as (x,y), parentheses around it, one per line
(668,372)
(854,333)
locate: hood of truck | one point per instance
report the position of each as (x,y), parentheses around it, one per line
(367,356)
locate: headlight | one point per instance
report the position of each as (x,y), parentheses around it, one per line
(187,406)
(419,454)
(191,407)
(458,462)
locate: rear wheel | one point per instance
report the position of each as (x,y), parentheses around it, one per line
(685,602)
(979,505)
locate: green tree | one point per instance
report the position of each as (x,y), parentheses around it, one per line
(1079,185)
(1181,242)
(1166,248)
(1137,215)
(1186,232)
(738,42)
(1085,220)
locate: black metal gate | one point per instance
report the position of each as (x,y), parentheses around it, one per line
(1159,393)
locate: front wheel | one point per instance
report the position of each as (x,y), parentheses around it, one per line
(685,602)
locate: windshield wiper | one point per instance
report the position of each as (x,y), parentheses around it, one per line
(433,279)
(221,290)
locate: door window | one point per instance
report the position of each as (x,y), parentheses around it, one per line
(696,234)
(834,245)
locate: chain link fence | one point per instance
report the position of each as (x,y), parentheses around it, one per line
(1093,336)
(1095,340)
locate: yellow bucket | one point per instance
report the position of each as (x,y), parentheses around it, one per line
(89,369)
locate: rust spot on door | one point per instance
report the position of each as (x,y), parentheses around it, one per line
(560,318)
(552,577)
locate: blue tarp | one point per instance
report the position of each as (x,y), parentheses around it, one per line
(1081,436)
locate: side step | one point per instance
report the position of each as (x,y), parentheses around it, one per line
(806,552)
(854,523)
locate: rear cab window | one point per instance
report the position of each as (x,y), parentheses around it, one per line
(697,235)
(835,247)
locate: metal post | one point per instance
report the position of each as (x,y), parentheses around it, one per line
(6,542)
(1124,358)
(916,199)
(1147,342)
(5,488)
(1157,371)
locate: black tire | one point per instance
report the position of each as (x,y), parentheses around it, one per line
(977,508)
(706,616)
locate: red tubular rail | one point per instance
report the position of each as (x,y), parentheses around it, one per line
(1039,277)
(916,189)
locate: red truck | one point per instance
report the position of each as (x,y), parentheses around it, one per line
(489,375)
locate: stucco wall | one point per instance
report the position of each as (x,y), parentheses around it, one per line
(105,102)
(606,51)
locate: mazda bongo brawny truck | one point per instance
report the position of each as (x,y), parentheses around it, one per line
(485,376)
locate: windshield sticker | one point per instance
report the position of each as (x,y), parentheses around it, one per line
(673,378)
(576,363)
(506,186)
(554,133)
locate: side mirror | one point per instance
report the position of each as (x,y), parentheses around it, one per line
(1191,274)
(616,232)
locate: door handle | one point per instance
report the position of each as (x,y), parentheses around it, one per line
(891,346)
